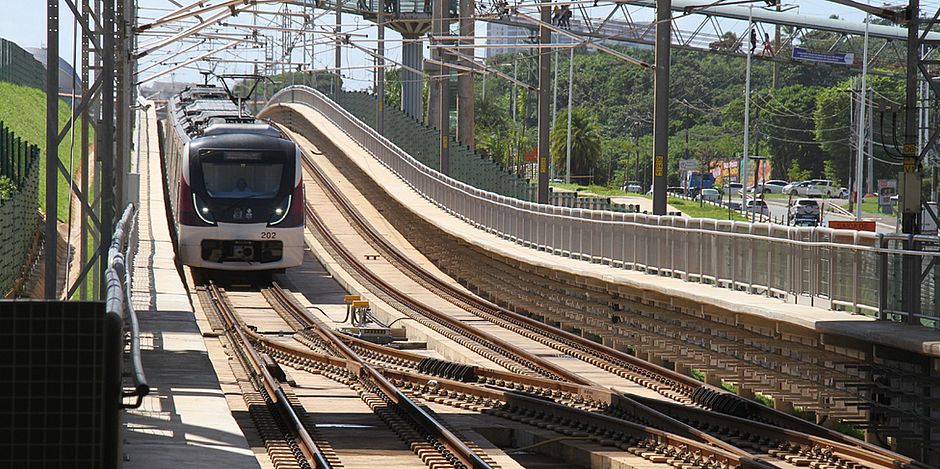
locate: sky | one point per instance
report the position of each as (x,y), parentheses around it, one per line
(27,28)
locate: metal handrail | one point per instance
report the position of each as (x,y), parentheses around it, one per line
(833,268)
(119,301)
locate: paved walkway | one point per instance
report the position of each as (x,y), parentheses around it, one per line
(185,422)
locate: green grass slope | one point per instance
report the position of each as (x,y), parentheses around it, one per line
(23,110)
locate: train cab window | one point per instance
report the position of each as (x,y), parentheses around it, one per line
(239,175)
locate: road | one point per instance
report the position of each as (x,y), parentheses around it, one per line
(778,211)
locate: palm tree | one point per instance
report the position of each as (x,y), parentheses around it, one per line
(585,141)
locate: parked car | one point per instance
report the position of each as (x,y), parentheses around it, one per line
(674,190)
(825,187)
(804,188)
(804,208)
(757,206)
(709,195)
(632,186)
(843,193)
(774,186)
(734,188)
(733,205)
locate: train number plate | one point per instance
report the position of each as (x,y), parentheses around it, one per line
(268,235)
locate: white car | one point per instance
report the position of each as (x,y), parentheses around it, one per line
(757,206)
(733,187)
(632,186)
(774,186)
(709,195)
(825,187)
(804,188)
(803,208)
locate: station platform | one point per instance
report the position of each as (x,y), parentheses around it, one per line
(772,313)
(186,420)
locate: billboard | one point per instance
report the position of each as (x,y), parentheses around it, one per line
(800,53)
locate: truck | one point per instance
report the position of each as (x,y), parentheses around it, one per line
(698,181)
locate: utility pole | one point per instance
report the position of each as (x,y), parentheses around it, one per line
(661,105)
(52,146)
(380,73)
(338,52)
(636,148)
(439,29)
(860,145)
(747,111)
(105,150)
(776,65)
(570,99)
(871,159)
(910,181)
(554,171)
(513,108)
(545,78)
(86,117)
(465,111)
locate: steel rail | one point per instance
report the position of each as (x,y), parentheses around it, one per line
(524,357)
(455,446)
(675,432)
(266,381)
(663,416)
(473,301)
(612,356)
(862,454)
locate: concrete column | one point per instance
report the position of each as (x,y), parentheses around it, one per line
(465,115)
(411,99)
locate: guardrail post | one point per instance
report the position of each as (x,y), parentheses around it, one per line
(883,285)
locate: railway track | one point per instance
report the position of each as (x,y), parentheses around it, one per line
(563,407)
(670,384)
(433,442)
(276,417)
(481,342)
(772,435)
(656,430)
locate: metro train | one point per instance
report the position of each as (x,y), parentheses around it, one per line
(234,184)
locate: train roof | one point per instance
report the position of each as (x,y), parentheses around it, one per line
(259,128)
(206,110)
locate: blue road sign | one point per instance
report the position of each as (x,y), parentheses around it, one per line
(826,57)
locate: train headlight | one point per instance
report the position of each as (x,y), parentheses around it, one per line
(280,212)
(202,210)
(290,211)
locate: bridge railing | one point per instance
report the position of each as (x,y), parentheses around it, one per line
(818,266)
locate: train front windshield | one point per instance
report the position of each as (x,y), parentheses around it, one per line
(240,179)
(239,186)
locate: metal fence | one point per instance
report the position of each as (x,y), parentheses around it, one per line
(20,67)
(16,156)
(19,216)
(828,268)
